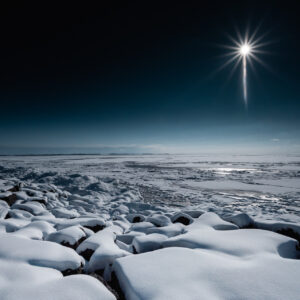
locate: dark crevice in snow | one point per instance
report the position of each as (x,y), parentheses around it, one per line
(113,285)
(290,233)
(69,272)
(10,200)
(87,254)
(96,228)
(137,219)
(182,220)
(74,246)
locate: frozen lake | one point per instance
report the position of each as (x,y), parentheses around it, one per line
(265,187)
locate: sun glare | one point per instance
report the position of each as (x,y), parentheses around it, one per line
(245,49)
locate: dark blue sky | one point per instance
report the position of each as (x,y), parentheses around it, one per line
(142,74)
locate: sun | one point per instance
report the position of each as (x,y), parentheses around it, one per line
(245,49)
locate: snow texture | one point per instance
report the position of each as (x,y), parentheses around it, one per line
(160,227)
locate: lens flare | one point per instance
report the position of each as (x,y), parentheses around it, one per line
(243,51)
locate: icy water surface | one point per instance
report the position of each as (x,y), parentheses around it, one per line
(263,186)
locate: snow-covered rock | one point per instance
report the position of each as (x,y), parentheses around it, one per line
(146,243)
(158,220)
(141,227)
(243,242)
(241,220)
(70,236)
(183,218)
(178,273)
(106,236)
(36,230)
(94,224)
(61,212)
(19,280)
(39,253)
(212,220)
(127,238)
(169,231)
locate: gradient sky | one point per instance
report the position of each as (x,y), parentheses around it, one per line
(142,74)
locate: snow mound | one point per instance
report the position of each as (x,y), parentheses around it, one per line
(183,218)
(169,231)
(94,224)
(150,242)
(212,220)
(102,238)
(19,280)
(70,236)
(243,242)
(39,253)
(178,273)
(36,230)
(159,220)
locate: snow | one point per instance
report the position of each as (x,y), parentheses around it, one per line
(39,253)
(213,220)
(150,242)
(36,230)
(158,220)
(75,287)
(70,235)
(19,280)
(103,237)
(169,231)
(180,273)
(164,227)
(243,242)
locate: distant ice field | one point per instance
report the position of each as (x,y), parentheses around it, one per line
(265,187)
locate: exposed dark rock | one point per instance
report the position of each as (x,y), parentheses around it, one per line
(111,286)
(8,216)
(87,253)
(134,250)
(10,200)
(183,220)
(69,272)
(16,188)
(42,201)
(290,233)
(95,228)
(115,286)
(137,219)
(74,246)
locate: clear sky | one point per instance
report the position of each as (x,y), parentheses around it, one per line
(142,75)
